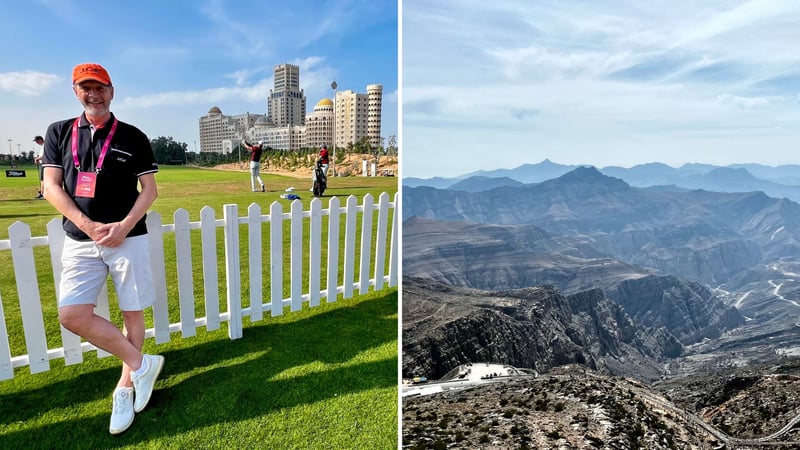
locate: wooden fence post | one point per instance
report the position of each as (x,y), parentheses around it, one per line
(351,211)
(232,268)
(155,233)
(314,252)
(333,250)
(208,232)
(394,256)
(183,254)
(255,267)
(276,257)
(380,240)
(30,304)
(366,245)
(296,255)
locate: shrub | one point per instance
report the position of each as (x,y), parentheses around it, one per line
(553,434)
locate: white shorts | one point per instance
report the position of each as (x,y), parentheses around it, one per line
(86,266)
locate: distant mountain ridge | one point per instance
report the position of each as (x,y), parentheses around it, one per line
(481,183)
(778,181)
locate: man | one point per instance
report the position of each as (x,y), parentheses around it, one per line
(255,164)
(93,166)
(323,162)
(38,161)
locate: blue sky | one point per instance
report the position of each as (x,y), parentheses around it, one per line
(171,61)
(616,82)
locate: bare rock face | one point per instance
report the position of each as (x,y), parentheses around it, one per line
(538,328)
(494,257)
(687,309)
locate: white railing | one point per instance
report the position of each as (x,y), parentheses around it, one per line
(372,249)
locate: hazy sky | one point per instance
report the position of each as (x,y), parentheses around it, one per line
(503,83)
(171,61)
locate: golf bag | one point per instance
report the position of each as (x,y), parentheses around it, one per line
(320,181)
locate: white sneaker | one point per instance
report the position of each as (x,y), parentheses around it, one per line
(122,410)
(143,385)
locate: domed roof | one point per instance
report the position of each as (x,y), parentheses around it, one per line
(214,110)
(325,102)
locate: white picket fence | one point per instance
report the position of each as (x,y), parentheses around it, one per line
(372,250)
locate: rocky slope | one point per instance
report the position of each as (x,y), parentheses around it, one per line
(538,328)
(746,402)
(493,257)
(489,256)
(572,407)
(568,408)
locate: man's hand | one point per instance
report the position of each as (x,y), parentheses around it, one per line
(92,229)
(111,234)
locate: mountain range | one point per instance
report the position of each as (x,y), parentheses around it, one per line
(775,181)
(706,236)
(679,288)
(718,271)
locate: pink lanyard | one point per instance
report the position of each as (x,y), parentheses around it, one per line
(102,152)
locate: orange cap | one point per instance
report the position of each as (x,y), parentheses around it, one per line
(90,71)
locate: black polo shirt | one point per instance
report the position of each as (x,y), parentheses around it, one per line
(129,157)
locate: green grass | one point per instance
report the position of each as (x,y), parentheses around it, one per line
(191,189)
(320,378)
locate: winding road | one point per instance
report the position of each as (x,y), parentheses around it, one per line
(777,294)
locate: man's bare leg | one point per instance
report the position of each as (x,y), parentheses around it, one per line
(81,320)
(134,331)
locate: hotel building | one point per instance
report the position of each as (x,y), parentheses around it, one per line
(286,126)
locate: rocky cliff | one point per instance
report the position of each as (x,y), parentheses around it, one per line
(538,328)
(687,309)
(494,257)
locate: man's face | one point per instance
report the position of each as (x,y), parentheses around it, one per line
(40,141)
(94,96)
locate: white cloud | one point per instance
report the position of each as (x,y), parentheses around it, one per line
(746,102)
(27,83)
(201,97)
(240,77)
(618,80)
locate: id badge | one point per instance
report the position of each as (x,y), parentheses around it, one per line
(86,184)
